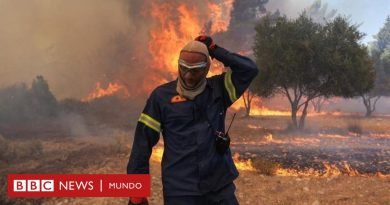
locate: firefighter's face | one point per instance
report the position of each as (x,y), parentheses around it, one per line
(193,68)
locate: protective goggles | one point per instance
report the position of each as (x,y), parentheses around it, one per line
(193,68)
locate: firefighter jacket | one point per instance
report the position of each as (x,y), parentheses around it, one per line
(190,164)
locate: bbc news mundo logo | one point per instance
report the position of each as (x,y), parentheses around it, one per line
(78,185)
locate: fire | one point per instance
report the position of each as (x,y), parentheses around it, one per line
(111,89)
(157,154)
(176,24)
(296,173)
(220,18)
(257,109)
(243,165)
(331,170)
(169,36)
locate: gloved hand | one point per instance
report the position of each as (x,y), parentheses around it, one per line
(208,41)
(138,201)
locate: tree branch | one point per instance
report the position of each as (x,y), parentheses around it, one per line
(288,95)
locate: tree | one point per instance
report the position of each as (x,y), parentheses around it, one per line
(247,97)
(318,11)
(380,55)
(304,60)
(43,101)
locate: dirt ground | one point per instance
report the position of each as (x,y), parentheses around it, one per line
(109,154)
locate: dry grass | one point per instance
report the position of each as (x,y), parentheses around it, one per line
(110,154)
(12,151)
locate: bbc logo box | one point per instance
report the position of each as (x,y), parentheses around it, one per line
(32,185)
(77,185)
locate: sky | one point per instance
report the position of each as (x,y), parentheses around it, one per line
(371,14)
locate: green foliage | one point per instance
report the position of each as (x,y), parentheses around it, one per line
(380,54)
(318,60)
(304,60)
(383,36)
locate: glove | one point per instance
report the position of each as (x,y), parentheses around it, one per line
(138,201)
(208,41)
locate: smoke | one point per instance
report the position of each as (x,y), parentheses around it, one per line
(291,8)
(73,44)
(75,124)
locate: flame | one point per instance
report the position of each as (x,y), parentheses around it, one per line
(111,89)
(157,154)
(178,23)
(331,170)
(219,18)
(170,36)
(349,170)
(257,109)
(243,165)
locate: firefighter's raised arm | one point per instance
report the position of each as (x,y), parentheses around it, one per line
(243,69)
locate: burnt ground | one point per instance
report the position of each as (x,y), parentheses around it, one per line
(327,138)
(364,160)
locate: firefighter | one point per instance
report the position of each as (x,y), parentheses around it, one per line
(190,114)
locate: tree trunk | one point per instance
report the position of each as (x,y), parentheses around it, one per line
(303,116)
(247,110)
(368,112)
(247,97)
(294,111)
(370,106)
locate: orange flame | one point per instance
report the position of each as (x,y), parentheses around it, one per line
(111,89)
(243,165)
(176,24)
(219,18)
(257,109)
(331,170)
